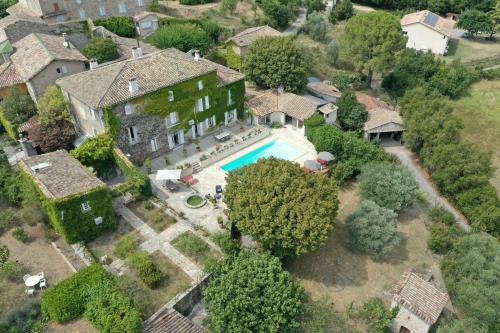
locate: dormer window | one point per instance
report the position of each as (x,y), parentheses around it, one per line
(170,96)
(200,85)
(133,85)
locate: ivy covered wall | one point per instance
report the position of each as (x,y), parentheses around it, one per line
(233,60)
(75,225)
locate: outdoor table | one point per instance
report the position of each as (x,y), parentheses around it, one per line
(32,280)
(223,136)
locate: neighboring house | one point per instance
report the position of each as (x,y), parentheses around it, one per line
(146,23)
(78,203)
(237,45)
(427,31)
(420,304)
(325,90)
(38,61)
(171,321)
(17,26)
(161,100)
(287,109)
(10,78)
(60,11)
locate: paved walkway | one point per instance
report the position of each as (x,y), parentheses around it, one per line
(299,22)
(406,157)
(161,242)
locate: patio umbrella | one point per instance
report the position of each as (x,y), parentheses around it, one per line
(312,165)
(324,157)
(174,174)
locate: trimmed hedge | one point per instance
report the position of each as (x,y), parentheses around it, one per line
(148,272)
(92,292)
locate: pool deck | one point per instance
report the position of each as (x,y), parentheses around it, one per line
(213,175)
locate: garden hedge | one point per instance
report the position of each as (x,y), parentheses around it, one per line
(92,292)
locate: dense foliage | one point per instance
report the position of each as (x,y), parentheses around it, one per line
(17,106)
(101,49)
(475,21)
(315,26)
(272,62)
(148,271)
(21,318)
(54,129)
(288,211)
(441,237)
(440,6)
(388,185)
(4,4)
(351,151)
(351,114)
(315,6)
(343,10)
(375,314)
(251,292)
(373,229)
(228,6)
(92,292)
(210,26)
(472,275)
(184,37)
(121,25)
(97,152)
(279,12)
(194,2)
(463,325)
(371,42)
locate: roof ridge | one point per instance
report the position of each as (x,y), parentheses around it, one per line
(111,83)
(44,46)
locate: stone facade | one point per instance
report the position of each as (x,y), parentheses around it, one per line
(59,11)
(406,319)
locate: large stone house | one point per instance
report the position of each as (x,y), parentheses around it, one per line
(38,61)
(237,45)
(158,101)
(427,31)
(60,11)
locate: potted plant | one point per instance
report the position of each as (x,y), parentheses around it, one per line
(197,143)
(148,164)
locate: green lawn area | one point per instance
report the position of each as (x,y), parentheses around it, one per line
(196,249)
(471,50)
(480,113)
(155,217)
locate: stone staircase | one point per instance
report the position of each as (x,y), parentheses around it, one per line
(196,167)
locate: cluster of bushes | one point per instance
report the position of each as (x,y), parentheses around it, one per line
(92,293)
(279,12)
(184,37)
(196,248)
(351,114)
(343,10)
(149,273)
(16,108)
(351,152)
(443,231)
(210,26)
(101,49)
(121,25)
(440,6)
(25,317)
(460,169)
(194,2)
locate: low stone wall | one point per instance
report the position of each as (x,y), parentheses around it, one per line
(264,133)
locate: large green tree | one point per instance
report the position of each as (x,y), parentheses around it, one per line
(371,42)
(343,10)
(101,49)
(388,185)
(4,4)
(475,21)
(472,274)
(315,26)
(288,211)
(351,114)
(18,106)
(272,62)
(373,229)
(251,292)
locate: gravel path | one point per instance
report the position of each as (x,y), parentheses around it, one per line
(407,158)
(299,22)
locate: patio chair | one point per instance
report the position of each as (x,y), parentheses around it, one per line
(43,283)
(41,274)
(26,277)
(30,291)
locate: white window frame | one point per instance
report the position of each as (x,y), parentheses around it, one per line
(206,102)
(171,96)
(154,144)
(200,85)
(92,113)
(102,10)
(85,206)
(129,109)
(82,13)
(122,8)
(199,105)
(140,3)
(98,220)
(173,118)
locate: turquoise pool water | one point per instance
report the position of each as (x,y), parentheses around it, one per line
(275,148)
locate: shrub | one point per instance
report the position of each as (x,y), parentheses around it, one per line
(192,245)
(315,26)
(148,205)
(344,10)
(121,25)
(4,254)
(101,49)
(97,153)
(352,115)
(148,272)
(226,243)
(184,37)
(32,213)
(253,285)
(126,246)
(441,237)
(315,6)
(21,318)
(333,52)
(17,106)
(388,185)
(20,234)
(440,214)
(278,12)
(228,6)
(452,80)
(13,270)
(373,230)
(7,219)
(376,316)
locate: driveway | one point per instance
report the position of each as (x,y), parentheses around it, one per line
(299,22)
(407,159)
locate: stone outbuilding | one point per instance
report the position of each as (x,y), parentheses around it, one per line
(146,23)
(420,304)
(325,90)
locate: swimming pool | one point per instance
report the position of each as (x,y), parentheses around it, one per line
(275,148)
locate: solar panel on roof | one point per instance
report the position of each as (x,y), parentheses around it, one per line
(431,19)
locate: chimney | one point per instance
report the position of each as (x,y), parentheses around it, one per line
(136,52)
(93,63)
(197,55)
(65,42)
(133,85)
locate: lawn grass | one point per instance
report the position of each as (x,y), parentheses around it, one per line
(196,249)
(194,200)
(155,217)
(346,276)
(480,113)
(471,50)
(105,244)
(151,300)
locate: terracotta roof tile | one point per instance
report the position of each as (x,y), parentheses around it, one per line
(325,87)
(172,322)
(246,37)
(381,116)
(431,20)
(296,106)
(9,76)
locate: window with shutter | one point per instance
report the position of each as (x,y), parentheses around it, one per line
(200,85)
(170,95)
(207,103)
(129,109)
(199,105)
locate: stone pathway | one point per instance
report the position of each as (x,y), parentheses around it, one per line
(299,22)
(161,241)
